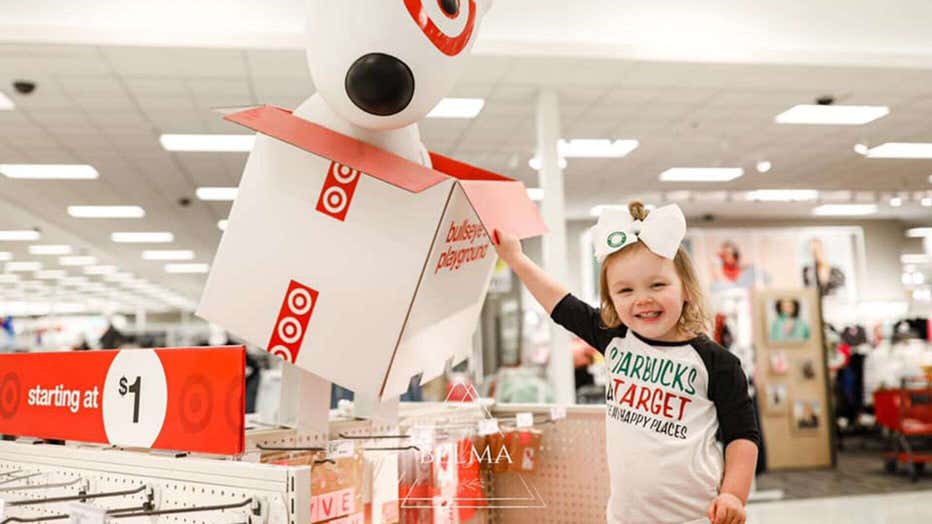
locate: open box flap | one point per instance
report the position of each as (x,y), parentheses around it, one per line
(374,162)
(504,205)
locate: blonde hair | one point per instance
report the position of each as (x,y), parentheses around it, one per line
(694,318)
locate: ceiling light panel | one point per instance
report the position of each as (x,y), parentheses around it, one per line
(49,171)
(701,174)
(106,211)
(831,114)
(208,143)
(154,237)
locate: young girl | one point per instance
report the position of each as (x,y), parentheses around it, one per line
(671,389)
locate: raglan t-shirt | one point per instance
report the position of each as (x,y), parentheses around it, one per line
(666,402)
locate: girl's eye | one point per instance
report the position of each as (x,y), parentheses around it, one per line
(658,285)
(624,290)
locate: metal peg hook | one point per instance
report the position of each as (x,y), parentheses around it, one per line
(370,437)
(122,515)
(23,477)
(397,448)
(280,448)
(145,506)
(40,486)
(79,497)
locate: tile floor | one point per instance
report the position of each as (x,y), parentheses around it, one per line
(892,508)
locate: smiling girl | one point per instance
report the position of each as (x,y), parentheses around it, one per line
(671,389)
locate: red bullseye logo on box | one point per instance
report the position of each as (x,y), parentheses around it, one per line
(337,194)
(293,319)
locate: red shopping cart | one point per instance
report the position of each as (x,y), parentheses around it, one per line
(907,414)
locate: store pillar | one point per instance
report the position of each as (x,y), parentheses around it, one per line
(553,209)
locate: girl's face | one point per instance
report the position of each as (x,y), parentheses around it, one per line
(647,292)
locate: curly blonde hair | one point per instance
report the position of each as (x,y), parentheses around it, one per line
(694,318)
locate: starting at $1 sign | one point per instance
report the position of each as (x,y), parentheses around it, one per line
(186,399)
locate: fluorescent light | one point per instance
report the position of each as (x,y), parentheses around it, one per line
(222,224)
(763,166)
(595,148)
(217,193)
(917,258)
(139,238)
(17,267)
(51,274)
(535,164)
(457,108)
(831,115)
(827,210)
(901,150)
(50,249)
(783,195)
(5,103)
(896,202)
(701,174)
(100,270)
(49,171)
(919,232)
(168,255)
(535,193)
(926,202)
(5,255)
(208,143)
(9,279)
(26,235)
(861,149)
(77,261)
(186,268)
(106,211)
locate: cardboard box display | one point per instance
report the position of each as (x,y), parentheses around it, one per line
(355,264)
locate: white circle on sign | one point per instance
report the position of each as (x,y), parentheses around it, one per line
(335,200)
(299,301)
(345,174)
(289,330)
(134,417)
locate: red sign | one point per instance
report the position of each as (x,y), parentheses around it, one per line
(339,186)
(184,399)
(293,318)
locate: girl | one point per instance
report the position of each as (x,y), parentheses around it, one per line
(671,389)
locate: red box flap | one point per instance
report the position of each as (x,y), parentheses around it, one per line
(504,204)
(375,162)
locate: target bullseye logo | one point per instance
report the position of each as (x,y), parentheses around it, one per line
(339,187)
(293,319)
(9,394)
(197,403)
(447,24)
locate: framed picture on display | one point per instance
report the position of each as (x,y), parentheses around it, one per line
(776,399)
(788,320)
(807,415)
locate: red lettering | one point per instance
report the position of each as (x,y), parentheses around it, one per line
(656,403)
(346,505)
(667,408)
(327,505)
(643,398)
(683,401)
(628,397)
(451,235)
(618,383)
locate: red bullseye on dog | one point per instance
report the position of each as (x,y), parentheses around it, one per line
(293,319)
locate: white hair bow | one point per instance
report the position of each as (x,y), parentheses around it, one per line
(662,231)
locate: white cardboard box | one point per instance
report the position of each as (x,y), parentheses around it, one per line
(353,263)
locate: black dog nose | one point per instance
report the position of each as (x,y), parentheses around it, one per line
(380,84)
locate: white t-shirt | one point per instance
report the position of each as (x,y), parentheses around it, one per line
(666,402)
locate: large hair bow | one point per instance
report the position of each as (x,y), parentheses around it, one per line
(662,231)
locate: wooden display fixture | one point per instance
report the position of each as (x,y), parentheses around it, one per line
(792,380)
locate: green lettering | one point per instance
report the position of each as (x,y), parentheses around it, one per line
(667,366)
(678,377)
(638,364)
(622,366)
(692,378)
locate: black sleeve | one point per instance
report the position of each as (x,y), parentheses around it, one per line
(728,390)
(585,322)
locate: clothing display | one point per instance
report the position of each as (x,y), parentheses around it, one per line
(666,401)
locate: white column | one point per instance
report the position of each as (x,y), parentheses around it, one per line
(554,243)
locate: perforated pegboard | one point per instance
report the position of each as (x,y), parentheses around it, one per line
(281,492)
(570,479)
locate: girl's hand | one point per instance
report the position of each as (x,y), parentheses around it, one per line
(726,509)
(507,246)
